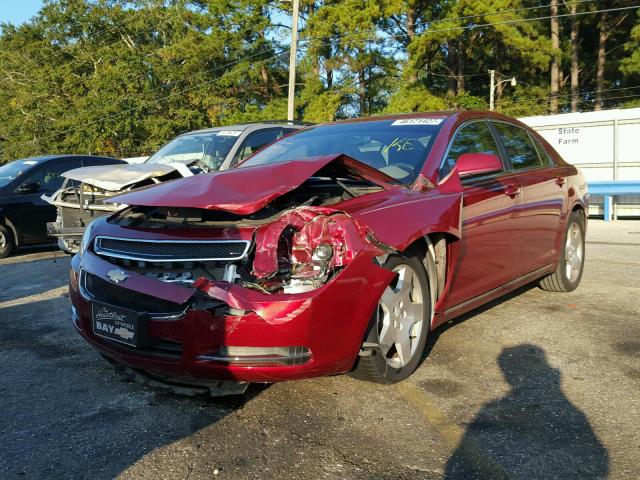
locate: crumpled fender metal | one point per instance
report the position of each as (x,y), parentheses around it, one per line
(283,307)
(244,191)
(313,226)
(437,210)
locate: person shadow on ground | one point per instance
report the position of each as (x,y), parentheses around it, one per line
(534,432)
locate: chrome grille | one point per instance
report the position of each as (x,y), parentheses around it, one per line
(171,250)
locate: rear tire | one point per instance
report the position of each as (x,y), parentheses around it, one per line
(567,276)
(7,242)
(400,324)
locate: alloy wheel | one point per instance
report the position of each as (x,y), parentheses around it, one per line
(401,317)
(573,252)
(3,241)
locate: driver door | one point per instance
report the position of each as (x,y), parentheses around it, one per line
(32,211)
(491,234)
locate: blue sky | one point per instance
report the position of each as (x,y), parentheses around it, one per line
(18,11)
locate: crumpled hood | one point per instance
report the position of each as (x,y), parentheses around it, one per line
(246,190)
(117,177)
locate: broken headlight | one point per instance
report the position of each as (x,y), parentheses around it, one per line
(305,248)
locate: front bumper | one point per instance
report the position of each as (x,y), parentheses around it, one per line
(69,238)
(329,323)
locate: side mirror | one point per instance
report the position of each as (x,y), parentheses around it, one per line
(477,164)
(29,187)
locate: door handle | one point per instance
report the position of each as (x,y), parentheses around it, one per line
(560,181)
(512,190)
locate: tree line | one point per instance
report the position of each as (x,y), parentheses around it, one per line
(122,77)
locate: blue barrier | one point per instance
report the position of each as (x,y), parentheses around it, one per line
(609,188)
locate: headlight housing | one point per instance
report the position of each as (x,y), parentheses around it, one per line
(87,236)
(303,249)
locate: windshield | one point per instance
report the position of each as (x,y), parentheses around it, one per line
(11,171)
(397,148)
(209,149)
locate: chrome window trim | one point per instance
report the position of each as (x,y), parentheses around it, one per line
(151,258)
(84,293)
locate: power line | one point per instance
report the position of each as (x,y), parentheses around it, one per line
(156,100)
(569,95)
(452,19)
(330,43)
(441,30)
(115,56)
(480,25)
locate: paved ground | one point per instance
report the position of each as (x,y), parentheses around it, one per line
(537,385)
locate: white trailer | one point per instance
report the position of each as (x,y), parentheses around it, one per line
(605,145)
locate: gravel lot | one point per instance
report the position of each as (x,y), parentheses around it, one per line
(536,385)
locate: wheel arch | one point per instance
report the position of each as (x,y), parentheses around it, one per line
(432,249)
(7,223)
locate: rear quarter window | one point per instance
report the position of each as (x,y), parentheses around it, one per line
(545,158)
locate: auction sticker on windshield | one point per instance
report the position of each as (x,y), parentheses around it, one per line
(229,133)
(418,121)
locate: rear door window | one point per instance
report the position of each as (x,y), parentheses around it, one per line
(519,147)
(474,137)
(255,141)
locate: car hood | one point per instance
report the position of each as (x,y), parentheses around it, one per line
(244,191)
(118,177)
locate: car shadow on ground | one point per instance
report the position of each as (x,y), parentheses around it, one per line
(69,414)
(534,431)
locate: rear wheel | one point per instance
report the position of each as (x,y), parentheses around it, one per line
(567,276)
(7,242)
(398,330)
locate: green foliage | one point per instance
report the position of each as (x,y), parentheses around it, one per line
(414,99)
(122,77)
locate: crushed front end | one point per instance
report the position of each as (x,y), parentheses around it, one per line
(85,194)
(77,205)
(196,294)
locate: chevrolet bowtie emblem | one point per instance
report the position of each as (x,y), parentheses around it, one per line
(117,276)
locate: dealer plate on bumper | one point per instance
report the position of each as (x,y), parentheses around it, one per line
(117,324)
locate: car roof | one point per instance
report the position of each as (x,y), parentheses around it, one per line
(40,159)
(460,114)
(251,126)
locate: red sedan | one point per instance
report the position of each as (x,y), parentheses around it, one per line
(337,248)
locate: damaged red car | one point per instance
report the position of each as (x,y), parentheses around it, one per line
(336,249)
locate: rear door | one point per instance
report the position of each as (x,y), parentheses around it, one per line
(491,234)
(544,191)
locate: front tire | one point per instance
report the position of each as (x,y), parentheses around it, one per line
(400,324)
(7,242)
(567,276)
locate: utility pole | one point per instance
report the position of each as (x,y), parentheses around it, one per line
(292,61)
(492,87)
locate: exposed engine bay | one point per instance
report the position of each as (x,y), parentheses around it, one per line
(298,241)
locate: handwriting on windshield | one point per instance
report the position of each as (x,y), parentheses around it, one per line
(399,144)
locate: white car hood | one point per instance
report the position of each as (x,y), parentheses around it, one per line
(117,177)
